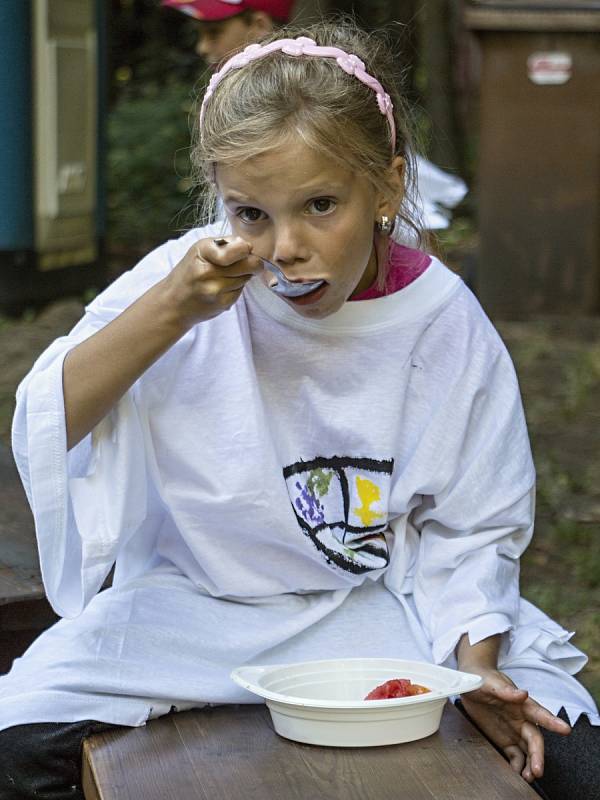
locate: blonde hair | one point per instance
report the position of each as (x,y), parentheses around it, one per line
(258,107)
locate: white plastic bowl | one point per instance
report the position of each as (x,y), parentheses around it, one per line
(322,702)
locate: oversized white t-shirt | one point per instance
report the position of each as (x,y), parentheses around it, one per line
(276,488)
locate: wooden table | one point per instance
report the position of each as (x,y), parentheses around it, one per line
(232,753)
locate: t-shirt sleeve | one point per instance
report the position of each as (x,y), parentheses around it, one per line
(475,526)
(89,501)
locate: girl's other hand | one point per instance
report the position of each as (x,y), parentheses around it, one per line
(209,279)
(512,720)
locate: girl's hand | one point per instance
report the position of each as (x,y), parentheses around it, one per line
(209,279)
(512,720)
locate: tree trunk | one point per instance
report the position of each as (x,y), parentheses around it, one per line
(397,16)
(440,28)
(307,11)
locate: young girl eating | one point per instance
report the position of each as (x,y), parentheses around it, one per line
(296,438)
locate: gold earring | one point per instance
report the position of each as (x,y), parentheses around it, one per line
(385,226)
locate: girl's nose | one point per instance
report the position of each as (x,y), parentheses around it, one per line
(288,247)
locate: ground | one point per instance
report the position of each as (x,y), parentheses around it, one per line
(558,363)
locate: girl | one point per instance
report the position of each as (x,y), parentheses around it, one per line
(273,474)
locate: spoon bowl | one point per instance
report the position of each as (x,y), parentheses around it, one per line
(286,287)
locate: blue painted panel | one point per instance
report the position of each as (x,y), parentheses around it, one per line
(16,190)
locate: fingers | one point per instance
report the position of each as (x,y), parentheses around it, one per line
(540,716)
(527,758)
(532,742)
(210,278)
(516,757)
(233,256)
(532,711)
(223,251)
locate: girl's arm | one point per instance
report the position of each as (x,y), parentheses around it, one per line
(98,372)
(475,525)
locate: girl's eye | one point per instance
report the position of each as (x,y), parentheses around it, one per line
(321,205)
(249,214)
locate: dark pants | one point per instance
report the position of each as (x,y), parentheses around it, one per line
(43,761)
(572,763)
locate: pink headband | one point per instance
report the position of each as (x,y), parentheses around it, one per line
(303,46)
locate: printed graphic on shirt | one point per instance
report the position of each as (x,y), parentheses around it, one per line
(341,504)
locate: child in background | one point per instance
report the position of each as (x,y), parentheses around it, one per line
(344,472)
(226,26)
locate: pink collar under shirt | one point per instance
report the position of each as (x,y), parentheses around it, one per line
(405,265)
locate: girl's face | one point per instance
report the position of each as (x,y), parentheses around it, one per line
(311,217)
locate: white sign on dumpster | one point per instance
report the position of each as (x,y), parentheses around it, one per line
(549,68)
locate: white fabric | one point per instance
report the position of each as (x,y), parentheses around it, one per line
(276,488)
(438,192)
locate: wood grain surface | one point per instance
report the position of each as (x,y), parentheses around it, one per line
(233,753)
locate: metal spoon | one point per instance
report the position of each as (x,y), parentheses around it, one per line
(289,288)
(283,286)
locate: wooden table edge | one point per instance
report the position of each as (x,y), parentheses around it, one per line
(89,779)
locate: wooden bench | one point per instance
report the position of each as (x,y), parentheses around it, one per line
(233,753)
(24,610)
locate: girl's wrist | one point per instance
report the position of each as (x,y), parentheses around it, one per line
(164,297)
(483,655)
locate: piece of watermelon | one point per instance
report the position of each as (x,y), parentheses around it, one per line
(397,687)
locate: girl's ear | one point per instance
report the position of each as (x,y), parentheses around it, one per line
(261,24)
(390,198)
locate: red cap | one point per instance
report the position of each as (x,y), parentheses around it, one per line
(214,10)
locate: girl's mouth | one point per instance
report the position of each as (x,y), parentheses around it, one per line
(287,288)
(310,297)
